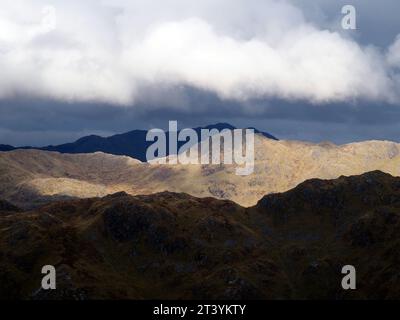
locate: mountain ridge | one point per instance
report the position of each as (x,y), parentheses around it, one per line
(132,143)
(30,177)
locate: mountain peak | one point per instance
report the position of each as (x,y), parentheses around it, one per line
(220,126)
(132,143)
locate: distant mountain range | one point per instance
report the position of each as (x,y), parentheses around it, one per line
(6,147)
(132,143)
(29,178)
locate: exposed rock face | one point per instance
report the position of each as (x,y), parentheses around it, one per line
(168,245)
(29,177)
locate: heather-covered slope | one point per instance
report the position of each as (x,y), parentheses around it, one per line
(31,177)
(167,245)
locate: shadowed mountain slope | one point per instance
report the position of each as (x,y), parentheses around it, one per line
(5,147)
(168,245)
(132,143)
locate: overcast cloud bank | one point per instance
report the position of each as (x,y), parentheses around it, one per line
(115,51)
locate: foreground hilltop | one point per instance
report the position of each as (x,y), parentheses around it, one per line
(30,177)
(175,246)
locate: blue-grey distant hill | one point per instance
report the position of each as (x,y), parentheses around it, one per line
(132,143)
(6,147)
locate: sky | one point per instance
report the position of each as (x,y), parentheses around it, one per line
(73,68)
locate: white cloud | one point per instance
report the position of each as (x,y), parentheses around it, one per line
(108,51)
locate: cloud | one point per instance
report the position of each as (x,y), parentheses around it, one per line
(393,55)
(119,52)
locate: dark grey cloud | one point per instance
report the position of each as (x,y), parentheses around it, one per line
(42,122)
